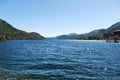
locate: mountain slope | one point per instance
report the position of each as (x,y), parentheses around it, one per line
(90,35)
(114,27)
(12,33)
(69,36)
(95,34)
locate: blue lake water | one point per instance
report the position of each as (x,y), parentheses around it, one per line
(59,60)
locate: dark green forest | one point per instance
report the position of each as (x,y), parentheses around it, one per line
(8,32)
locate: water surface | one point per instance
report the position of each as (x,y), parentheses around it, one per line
(59,60)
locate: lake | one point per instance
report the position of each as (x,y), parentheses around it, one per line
(59,60)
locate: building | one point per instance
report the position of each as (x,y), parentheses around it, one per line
(116,36)
(117,32)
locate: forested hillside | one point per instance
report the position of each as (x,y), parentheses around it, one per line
(7,31)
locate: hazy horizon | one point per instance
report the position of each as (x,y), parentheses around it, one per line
(55,17)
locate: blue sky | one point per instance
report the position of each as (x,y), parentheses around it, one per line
(56,17)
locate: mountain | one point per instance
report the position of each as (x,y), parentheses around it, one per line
(91,35)
(11,33)
(109,32)
(69,36)
(95,34)
(114,27)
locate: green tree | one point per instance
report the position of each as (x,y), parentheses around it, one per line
(116,37)
(2,38)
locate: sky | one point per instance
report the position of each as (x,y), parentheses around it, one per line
(56,17)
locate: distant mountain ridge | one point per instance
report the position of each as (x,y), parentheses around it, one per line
(114,27)
(95,34)
(11,33)
(7,31)
(69,36)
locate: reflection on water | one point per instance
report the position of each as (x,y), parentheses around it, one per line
(59,60)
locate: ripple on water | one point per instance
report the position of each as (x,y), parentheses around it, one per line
(59,60)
